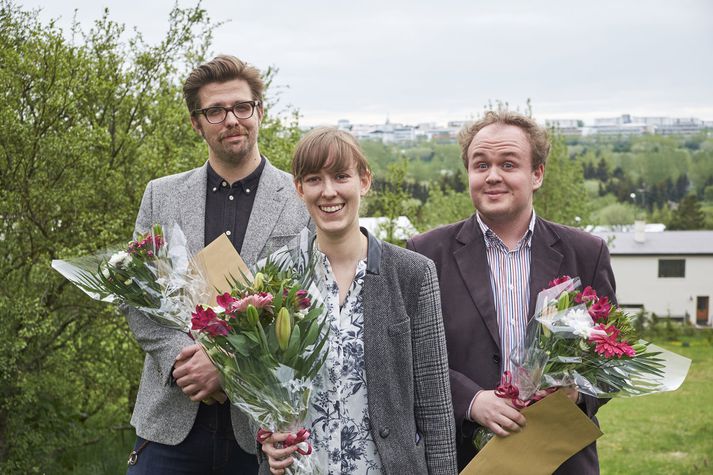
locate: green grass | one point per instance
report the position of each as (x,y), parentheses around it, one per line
(668,433)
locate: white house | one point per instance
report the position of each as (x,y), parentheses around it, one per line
(669,273)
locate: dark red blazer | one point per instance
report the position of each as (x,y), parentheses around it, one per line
(470,320)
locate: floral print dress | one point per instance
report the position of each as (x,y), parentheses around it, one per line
(339,412)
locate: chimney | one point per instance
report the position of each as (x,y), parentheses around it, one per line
(640,231)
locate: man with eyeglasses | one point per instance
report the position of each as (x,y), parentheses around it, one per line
(183,422)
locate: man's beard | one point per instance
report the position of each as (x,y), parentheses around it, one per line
(238,154)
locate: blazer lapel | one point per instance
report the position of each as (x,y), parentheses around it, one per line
(545,261)
(269,201)
(191,200)
(472,262)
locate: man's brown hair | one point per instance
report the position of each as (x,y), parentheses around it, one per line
(221,69)
(536,134)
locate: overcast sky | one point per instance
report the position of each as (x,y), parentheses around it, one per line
(444,60)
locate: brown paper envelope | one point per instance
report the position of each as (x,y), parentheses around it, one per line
(556,429)
(219,261)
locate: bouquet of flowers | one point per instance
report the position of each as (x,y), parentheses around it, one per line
(267,339)
(152,274)
(578,338)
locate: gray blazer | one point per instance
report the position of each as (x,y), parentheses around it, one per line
(410,410)
(163,413)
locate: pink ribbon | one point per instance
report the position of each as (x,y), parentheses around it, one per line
(291,440)
(507,390)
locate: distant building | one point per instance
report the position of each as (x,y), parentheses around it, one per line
(625,124)
(668,273)
(570,127)
(344,124)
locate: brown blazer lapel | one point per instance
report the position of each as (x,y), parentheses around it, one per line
(545,261)
(474,270)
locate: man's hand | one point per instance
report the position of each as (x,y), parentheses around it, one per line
(497,414)
(196,375)
(571,392)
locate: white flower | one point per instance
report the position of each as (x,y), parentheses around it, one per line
(579,321)
(120,259)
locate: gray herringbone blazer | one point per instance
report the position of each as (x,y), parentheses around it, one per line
(409,398)
(163,413)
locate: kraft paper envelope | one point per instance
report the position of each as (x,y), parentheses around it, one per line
(219,261)
(556,429)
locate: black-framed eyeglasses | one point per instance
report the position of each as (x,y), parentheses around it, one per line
(217,114)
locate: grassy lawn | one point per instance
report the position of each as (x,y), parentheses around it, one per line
(669,433)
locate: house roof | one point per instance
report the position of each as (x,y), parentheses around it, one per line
(666,242)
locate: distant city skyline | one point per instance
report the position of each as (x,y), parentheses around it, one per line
(435,62)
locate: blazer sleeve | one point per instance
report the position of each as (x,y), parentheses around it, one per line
(463,389)
(433,407)
(160,343)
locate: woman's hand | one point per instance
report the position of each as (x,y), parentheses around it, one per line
(278,457)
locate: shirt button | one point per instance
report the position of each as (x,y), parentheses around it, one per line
(224,184)
(231,197)
(247,190)
(384,432)
(227,233)
(215,188)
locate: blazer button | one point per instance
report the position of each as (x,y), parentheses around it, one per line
(384,432)
(496,358)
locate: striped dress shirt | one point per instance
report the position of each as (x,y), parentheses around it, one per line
(509,282)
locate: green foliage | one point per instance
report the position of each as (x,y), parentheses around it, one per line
(708,194)
(279,130)
(688,216)
(616,214)
(443,207)
(86,124)
(702,167)
(393,200)
(562,197)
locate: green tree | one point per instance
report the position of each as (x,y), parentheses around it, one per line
(392,200)
(688,215)
(86,123)
(615,214)
(443,207)
(702,167)
(563,196)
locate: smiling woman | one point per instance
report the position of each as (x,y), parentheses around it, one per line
(331,175)
(383,401)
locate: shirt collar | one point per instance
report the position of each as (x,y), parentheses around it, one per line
(492,239)
(216,182)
